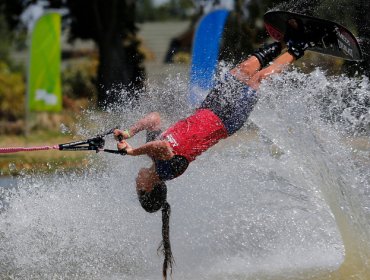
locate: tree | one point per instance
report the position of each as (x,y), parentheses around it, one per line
(11,9)
(111,24)
(145,11)
(363,26)
(355,16)
(9,12)
(244,31)
(361,18)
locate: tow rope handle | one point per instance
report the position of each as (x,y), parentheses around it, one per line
(93,144)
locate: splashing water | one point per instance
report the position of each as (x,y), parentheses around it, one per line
(286,201)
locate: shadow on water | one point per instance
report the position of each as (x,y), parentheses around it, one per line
(284,201)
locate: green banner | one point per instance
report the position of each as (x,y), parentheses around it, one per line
(44,81)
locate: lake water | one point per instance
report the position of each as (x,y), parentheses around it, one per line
(289,201)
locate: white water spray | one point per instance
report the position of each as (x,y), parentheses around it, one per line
(241,211)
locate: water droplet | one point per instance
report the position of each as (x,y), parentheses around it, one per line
(12,167)
(64,129)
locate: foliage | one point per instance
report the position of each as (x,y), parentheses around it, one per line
(78,90)
(78,79)
(244,30)
(145,11)
(10,39)
(12,93)
(4,42)
(112,25)
(11,9)
(173,10)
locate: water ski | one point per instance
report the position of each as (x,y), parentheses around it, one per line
(329,37)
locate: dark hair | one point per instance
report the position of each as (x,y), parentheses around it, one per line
(151,202)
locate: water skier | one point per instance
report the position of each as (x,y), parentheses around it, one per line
(223,112)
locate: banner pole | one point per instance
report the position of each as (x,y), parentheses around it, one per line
(27,99)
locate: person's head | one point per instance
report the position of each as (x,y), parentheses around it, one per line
(152,201)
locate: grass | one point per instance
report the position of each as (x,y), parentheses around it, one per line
(39,161)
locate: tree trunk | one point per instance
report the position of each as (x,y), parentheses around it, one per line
(120,73)
(112,73)
(111,24)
